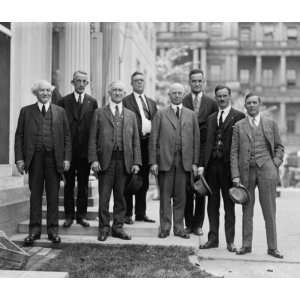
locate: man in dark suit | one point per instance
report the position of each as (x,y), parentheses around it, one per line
(114,151)
(215,158)
(256,154)
(43,149)
(173,155)
(79,107)
(144,109)
(204,106)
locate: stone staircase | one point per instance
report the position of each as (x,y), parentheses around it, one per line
(138,229)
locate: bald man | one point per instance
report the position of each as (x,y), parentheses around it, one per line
(173,155)
(114,152)
(43,149)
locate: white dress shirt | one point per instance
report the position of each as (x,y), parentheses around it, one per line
(225,114)
(174,107)
(146,124)
(76,95)
(199,100)
(254,120)
(40,105)
(112,106)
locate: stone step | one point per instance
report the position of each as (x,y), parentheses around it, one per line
(32,274)
(92,201)
(10,182)
(92,212)
(92,190)
(5,170)
(138,229)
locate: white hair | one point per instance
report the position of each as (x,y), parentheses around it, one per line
(37,85)
(117,82)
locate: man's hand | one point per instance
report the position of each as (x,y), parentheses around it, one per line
(135,169)
(277,162)
(195,170)
(154,169)
(20,166)
(200,170)
(66,165)
(236,181)
(96,166)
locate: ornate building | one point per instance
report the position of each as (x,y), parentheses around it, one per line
(263,57)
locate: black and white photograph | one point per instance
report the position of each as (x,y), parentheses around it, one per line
(147,148)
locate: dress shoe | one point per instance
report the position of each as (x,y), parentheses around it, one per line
(197,231)
(68,223)
(183,235)
(188,230)
(209,244)
(231,247)
(28,241)
(128,220)
(244,250)
(83,222)
(54,238)
(144,219)
(121,234)
(102,236)
(275,253)
(163,234)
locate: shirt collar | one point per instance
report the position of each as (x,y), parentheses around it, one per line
(226,110)
(112,106)
(199,95)
(256,118)
(76,95)
(40,105)
(137,96)
(174,107)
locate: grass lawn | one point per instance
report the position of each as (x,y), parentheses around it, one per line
(136,261)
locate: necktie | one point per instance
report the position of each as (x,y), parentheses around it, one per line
(178,112)
(44,110)
(117,112)
(79,99)
(195,103)
(221,119)
(253,122)
(145,108)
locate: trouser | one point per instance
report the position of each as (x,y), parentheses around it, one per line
(265,178)
(79,168)
(112,179)
(42,171)
(219,179)
(172,184)
(140,196)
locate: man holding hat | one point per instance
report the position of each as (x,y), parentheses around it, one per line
(256,154)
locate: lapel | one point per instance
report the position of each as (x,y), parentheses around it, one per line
(85,106)
(214,125)
(108,114)
(265,126)
(183,117)
(203,109)
(190,103)
(126,122)
(135,105)
(71,103)
(36,114)
(149,106)
(172,117)
(247,128)
(229,119)
(54,115)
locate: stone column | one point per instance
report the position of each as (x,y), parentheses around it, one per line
(111,56)
(195,58)
(282,118)
(258,73)
(283,73)
(234,67)
(77,52)
(203,61)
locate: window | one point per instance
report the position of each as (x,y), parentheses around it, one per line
(291,124)
(268,32)
(216,29)
(291,77)
(268,77)
(245,34)
(186,26)
(244,76)
(215,72)
(292,34)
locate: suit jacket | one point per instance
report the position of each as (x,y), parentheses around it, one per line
(101,141)
(82,121)
(212,125)
(241,143)
(207,107)
(27,130)
(163,139)
(130,103)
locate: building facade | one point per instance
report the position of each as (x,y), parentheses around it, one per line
(261,57)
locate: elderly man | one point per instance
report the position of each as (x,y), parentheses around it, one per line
(43,149)
(79,107)
(204,106)
(256,154)
(215,162)
(144,109)
(173,155)
(114,151)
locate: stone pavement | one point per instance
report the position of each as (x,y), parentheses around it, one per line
(220,262)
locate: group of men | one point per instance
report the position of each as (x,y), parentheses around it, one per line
(194,135)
